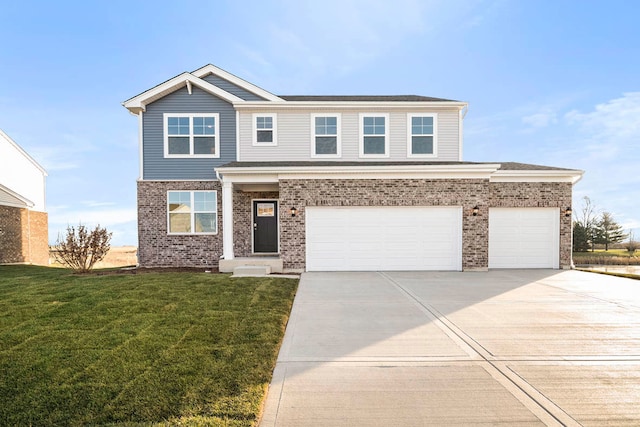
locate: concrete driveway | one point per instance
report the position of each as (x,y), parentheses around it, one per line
(523,347)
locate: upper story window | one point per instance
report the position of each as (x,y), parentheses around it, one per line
(325,135)
(265,129)
(421,132)
(191,135)
(192,212)
(374,135)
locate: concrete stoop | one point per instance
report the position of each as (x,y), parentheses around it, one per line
(229,265)
(251,271)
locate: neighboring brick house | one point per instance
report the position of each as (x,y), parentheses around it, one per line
(231,174)
(23,218)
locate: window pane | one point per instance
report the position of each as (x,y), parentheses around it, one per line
(178,125)
(183,197)
(265,136)
(204,126)
(264,122)
(422,145)
(373,145)
(179,223)
(205,223)
(204,145)
(374,125)
(178,145)
(204,201)
(422,125)
(326,145)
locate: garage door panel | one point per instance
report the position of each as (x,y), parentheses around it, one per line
(383,238)
(524,237)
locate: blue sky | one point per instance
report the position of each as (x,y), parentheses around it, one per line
(548,82)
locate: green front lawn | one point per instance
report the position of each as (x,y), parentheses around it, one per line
(152,349)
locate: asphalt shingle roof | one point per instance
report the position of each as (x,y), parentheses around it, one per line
(325,163)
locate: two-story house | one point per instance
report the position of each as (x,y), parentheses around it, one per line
(231,174)
(23,218)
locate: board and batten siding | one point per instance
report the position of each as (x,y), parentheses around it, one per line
(294,135)
(232,88)
(156,166)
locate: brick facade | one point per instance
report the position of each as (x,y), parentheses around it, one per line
(24,236)
(420,192)
(156,248)
(159,249)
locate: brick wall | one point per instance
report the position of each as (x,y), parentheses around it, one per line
(363,192)
(23,236)
(420,192)
(156,248)
(538,195)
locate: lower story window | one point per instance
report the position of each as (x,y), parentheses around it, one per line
(192,212)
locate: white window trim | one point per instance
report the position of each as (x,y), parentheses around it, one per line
(338,154)
(254,137)
(410,134)
(386,136)
(165,131)
(192,214)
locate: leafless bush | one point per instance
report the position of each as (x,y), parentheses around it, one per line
(631,246)
(82,248)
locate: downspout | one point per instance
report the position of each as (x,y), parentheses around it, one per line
(461,114)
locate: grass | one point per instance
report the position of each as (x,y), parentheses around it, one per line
(610,257)
(146,349)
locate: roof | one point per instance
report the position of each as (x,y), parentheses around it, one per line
(9,197)
(138,103)
(364,98)
(504,166)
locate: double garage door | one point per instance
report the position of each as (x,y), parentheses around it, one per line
(425,238)
(383,238)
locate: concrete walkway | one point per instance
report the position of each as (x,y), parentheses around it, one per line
(515,348)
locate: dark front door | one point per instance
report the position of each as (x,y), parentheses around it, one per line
(265,226)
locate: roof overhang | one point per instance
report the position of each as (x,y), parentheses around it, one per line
(552,175)
(387,105)
(267,174)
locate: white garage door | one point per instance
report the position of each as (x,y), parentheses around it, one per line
(383,238)
(524,237)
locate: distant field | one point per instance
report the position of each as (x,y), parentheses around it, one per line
(610,257)
(118,256)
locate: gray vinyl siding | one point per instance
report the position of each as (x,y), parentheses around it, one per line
(294,135)
(232,89)
(155,166)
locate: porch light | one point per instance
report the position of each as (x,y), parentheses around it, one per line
(475,210)
(568,212)
(294,211)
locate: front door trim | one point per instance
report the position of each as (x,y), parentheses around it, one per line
(277,217)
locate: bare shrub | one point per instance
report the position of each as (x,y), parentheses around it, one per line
(82,248)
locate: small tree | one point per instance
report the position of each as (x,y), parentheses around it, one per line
(580,238)
(584,226)
(607,231)
(81,248)
(631,246)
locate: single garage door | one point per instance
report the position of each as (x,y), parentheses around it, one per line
(524,237)
(383,238)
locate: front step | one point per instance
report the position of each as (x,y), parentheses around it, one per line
(230,265)
(251,271)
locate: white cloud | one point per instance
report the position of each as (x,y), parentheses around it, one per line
(540,119)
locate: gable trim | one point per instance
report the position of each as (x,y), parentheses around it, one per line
(250,87)
(22,202)
(138,103)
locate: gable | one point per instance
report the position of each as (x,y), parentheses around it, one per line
(232,88)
